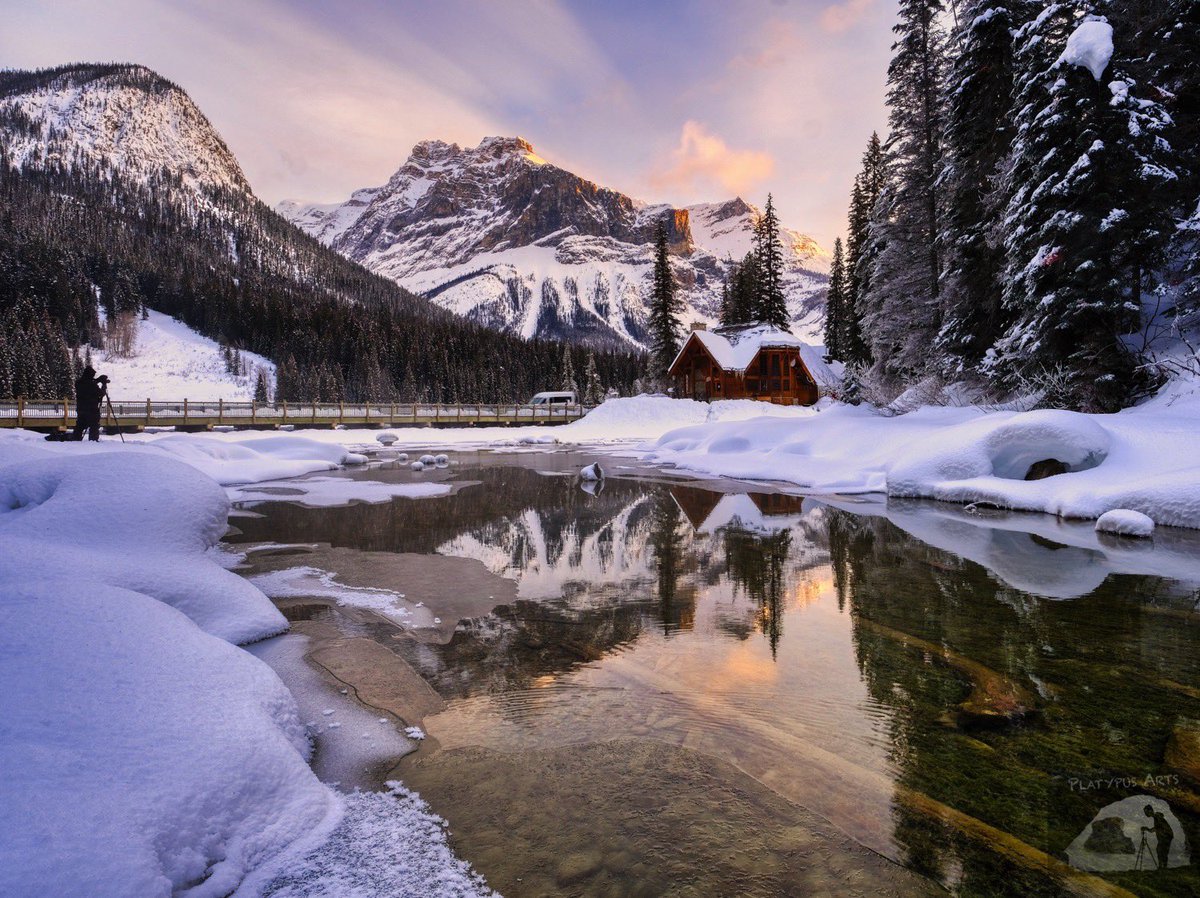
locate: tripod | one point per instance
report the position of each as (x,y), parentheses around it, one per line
(117,425)
(1143,851)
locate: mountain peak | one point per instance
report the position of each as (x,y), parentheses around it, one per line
(119,115)
(497,233)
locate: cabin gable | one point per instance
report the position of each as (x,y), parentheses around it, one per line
(762,364)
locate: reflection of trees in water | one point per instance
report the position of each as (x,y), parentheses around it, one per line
(756,564)
(1091,661)
(667,544)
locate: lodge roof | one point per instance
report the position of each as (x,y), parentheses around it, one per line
(734,348)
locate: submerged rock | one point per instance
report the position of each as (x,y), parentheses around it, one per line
(1183,751)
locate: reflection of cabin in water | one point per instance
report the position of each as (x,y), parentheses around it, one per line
(754,361)
(709,512)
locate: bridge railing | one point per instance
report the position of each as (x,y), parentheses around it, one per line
(207,413)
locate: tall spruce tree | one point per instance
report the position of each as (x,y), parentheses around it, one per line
(1087,221)
(770,302)
(899,305)
(868,184)
(593,389)
(835,303)
(665,306)
(978,135)
(567,375)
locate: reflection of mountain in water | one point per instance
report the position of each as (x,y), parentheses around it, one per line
(588,584)
(546,551)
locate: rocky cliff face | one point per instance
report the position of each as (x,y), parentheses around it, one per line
(117,118)
(500,235)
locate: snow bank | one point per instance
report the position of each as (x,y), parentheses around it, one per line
(642,417)
(133,520)
(254,459)
(1143,459)
(141,756)
(1090,46)
(143,753)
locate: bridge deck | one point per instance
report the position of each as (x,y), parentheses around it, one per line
(185,414)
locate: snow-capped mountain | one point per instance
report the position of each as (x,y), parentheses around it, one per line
(501,236)
(122,118)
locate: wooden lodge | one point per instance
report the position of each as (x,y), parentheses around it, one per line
(753,361)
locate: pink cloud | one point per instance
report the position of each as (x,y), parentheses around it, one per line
(844,16)
(703,159)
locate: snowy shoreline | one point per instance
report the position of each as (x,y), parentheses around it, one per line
(131,707)
(1145,459)
(131,703)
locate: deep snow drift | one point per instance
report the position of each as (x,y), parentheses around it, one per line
(144,754)
(1144,459)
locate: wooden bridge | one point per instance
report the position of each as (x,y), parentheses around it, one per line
(194,415)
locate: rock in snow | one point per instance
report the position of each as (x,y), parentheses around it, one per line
(428,460)
(386,438)
(1125,522)
(592,472)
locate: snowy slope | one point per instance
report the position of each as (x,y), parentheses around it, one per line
(117,117)
(499,235)
(172,361)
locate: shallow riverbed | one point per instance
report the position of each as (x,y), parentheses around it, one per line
(672,687)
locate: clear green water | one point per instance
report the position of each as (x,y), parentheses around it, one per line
(696,691)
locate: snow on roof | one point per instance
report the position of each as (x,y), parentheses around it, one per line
(734,348)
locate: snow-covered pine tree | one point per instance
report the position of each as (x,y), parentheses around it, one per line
(744,289)
(770,303)
(1172,65)
(899,305)
(6,374)
(593,389)
(61,379)
(978,136)
(665,306)
(262,391)
(728,309)
(867,186)
(567,373)
(1088,219)
(835,303)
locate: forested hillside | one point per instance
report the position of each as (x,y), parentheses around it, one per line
(79,235)
(1029,225)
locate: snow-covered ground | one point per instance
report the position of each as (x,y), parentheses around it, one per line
(1143,459)
(128,705)
(171,361)
(144,753)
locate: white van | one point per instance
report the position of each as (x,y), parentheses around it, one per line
(565,397)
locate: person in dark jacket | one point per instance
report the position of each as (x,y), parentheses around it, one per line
(90,391)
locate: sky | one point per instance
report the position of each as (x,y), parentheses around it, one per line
(665,100)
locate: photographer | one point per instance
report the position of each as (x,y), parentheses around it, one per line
(90,391)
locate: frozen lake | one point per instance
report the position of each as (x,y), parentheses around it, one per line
(677,687)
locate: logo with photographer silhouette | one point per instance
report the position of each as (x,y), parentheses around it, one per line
(1137,833)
